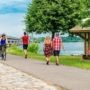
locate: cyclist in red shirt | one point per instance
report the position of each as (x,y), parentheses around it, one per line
(25,41)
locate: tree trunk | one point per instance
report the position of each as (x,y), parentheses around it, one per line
(53,33)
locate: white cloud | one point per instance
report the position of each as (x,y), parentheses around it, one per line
(11,6)
(12,24)
(9,2)
(12,1)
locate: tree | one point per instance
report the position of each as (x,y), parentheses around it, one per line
(86,22)
(53,15)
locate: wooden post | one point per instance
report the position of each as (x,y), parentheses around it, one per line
(85,45)
(89,41)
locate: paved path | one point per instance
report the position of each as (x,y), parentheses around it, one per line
(13,79)
(68,77)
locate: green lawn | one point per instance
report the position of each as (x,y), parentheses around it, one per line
(75,61)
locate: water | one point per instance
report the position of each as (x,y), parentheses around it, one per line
(70,48)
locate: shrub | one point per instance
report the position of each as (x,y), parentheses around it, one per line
(14,48)
(33,47)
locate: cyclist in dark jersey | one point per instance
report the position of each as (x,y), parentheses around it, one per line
(3,40)
(3,44)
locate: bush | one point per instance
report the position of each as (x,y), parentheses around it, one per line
(13,49)
(33,47)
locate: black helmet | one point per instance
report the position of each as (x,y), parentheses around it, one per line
(3,35)
(25,33)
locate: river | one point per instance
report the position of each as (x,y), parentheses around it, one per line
(70,48)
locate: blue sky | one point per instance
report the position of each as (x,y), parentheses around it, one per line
(12,13)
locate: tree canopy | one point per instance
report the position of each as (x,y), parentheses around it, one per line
(53,15)
(86,23)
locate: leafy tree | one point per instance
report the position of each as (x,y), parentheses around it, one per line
(53,15)
(86,23)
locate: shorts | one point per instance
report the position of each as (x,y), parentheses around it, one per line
(56,52)
(25,46)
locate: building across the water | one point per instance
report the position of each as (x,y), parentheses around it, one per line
(13,40)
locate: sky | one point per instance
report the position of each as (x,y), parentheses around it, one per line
(12,13)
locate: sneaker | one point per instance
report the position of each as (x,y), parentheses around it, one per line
(2,57)
(57,64)
(47,62)
(25,56)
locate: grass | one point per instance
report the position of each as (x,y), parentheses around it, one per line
(74,61)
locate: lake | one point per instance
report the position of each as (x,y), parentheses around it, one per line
(70,48)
